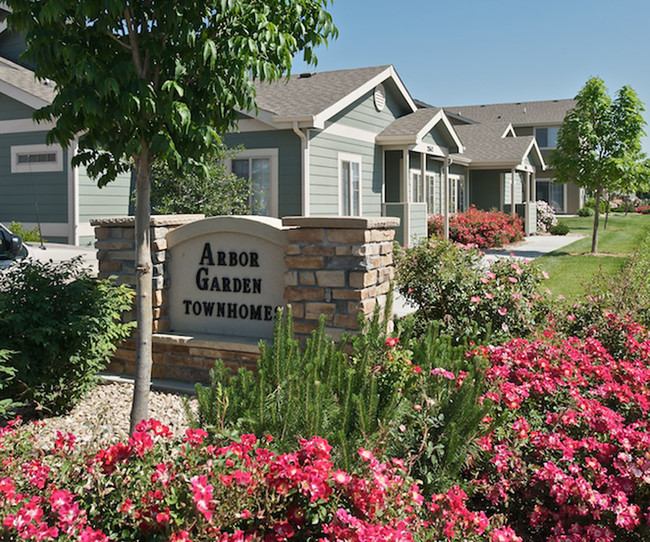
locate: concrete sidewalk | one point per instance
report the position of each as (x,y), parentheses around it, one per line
(57,253)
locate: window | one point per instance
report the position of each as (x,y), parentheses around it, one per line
(434,200)
(36,158)
(417,187)
(259,166)
(546,137)
(553,194)
(507,187)
(456,193)
(350,184)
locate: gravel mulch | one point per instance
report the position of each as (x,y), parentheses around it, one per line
(102,417)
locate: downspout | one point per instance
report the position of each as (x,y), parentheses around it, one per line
(73,196)
(448,162)
(304,146)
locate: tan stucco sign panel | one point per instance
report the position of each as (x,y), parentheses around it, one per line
(226,276)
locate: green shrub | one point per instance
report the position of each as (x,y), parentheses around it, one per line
(561,228)
(450,285)
(62,325)
(367,391)
(591,202)
(585,211)
(7,375)
(29,236)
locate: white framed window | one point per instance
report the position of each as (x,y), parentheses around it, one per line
(260,167)
(350,177)
(417,186)
(36,158)
(457,193)
(547,137)
(519,188)
(434,193)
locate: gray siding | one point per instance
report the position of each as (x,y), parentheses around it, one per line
(112,200)
(20,191)
(485,190)
(12,110)
(363,114)
(289,163)
(436,137)
(324,174)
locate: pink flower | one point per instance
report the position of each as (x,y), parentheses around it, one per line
(489,296)
(475,299)
(392,341)
(502,311)
(514,280)
(341,477)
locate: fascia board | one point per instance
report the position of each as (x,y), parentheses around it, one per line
(388,73)
(262,115)
(533,146)
(509,129)
(22,96)
(441,117)
(397,140)
(460,159)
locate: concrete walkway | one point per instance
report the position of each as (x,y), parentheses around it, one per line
(530,248)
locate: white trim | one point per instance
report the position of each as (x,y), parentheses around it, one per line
(22,96)
(388,73)
(272,155)
(342,130)
(356,159)
(253,125)
(84,229)
(37,167)
(509,130)
(535,146)
(24,126)
(416,139)
(430,148)
(261,115)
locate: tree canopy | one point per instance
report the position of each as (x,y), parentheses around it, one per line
(599,143)
(157,80)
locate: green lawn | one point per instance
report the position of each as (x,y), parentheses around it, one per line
(573,267)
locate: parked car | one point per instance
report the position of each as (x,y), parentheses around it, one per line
(11,248)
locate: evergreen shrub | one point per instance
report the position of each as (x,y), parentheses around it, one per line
(407,397)
(62,326)
(585,211)
(561,228)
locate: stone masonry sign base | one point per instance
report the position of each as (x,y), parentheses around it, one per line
(218,281)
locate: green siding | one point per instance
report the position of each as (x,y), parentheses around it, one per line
(11,109)
(436,137)
(324,174)
(397,210)
(289,163)
(485,191)
(418,221)
(112,200)
(363,114)
(21,191)
(457,169)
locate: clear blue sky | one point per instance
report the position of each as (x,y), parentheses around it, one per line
(466,52)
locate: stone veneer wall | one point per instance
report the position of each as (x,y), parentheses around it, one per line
(336,266)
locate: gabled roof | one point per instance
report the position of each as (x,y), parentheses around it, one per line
(20,84)
(315,97)
(489,145)
(548,112)
(411,128)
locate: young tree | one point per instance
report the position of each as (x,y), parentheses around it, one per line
(157,80)
(599,142)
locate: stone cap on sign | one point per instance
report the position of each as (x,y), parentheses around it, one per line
(218,342)
(342,222)
(264,227)
(156,220)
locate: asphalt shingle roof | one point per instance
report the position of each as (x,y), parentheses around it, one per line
(308,96)
(24,79)
(410,124)
(518,114)
(484,144)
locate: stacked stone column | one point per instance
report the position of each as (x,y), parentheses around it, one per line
(337,267)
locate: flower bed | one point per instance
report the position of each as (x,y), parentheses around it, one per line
(570,457)
(481,229)
(155,488)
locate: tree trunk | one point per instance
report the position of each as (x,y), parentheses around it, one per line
(144,274)
(594,236)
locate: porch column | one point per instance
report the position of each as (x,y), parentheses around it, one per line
(445,189)
(406,195)
(423,167)
(527,205)
(513,209)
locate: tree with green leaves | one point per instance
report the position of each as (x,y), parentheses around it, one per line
(215,193)
(157,80)
(599,142)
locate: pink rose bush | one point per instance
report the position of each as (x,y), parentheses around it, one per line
(570,459)
(479,229)
(153,487)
